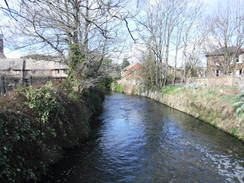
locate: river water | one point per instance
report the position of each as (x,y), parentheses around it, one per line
(136,139)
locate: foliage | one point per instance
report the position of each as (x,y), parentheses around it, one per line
(125,63)
(36,124)
(239,106)
(118,88)
(170,89)
(43,100)
(77,56)
(105,83)
(25,151)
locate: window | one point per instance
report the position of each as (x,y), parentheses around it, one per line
(240,59)
(217,73)
(239,72)
(18,72)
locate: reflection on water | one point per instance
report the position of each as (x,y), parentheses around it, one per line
(140,140)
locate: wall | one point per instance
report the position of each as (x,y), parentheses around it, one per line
(219,81)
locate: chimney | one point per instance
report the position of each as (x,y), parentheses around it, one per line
(1,43)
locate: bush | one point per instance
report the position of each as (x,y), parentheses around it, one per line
(239,106)
(106,83)
(35,125)
(119,88)
(44,100)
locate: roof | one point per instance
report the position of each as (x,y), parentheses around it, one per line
(40,57)
(17,64)
(223,50)
(133,66)
(2,55)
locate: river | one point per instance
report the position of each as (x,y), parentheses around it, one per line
(136,139)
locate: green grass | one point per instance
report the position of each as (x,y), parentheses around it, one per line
(119,88)
(171,89)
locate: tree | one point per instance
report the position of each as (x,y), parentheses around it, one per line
(81,32)
(125,63)
(163,28)
(225,34)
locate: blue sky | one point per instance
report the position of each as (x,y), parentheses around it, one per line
(9,52)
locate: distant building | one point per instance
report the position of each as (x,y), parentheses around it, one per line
(226,61)
(133,70)
(35,68)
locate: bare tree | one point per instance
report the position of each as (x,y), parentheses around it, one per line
(82,32)
(163,27)
(225,35)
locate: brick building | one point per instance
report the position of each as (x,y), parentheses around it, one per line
(226,61)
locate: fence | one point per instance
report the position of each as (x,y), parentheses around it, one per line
(8,83)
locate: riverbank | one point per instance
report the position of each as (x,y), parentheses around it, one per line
(211,105)
(37,124)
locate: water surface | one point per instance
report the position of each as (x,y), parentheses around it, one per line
(139,140)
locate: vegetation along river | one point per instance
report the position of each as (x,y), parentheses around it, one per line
(139,140)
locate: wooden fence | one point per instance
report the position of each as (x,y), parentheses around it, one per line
(8,83)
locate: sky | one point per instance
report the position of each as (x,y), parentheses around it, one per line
(132,54)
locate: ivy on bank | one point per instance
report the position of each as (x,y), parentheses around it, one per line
(35,125)
(44,100)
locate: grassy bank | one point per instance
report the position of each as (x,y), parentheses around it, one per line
(36,124)
(213,105)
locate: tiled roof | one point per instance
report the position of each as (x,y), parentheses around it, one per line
(17,64)
(223,50)
(133,66)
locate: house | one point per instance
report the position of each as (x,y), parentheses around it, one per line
(225,61)
(34,68)
(31,66)
(133,70)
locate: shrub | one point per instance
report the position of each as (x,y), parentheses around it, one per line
(35,125)
(106,83)
(239,106)
(43,99)
(118,88)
